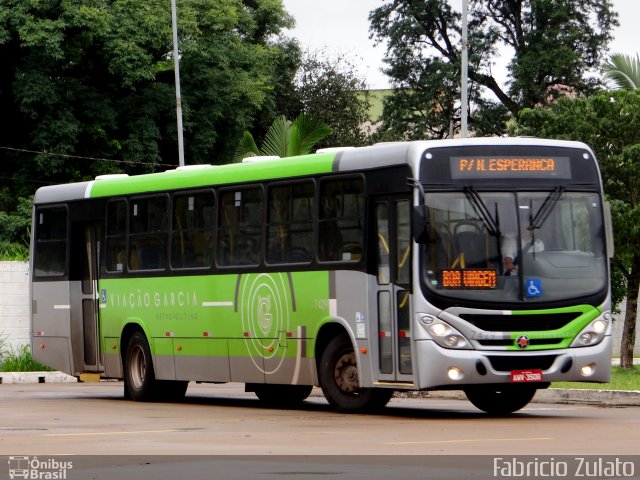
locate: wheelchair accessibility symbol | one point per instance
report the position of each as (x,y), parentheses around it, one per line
(534,287)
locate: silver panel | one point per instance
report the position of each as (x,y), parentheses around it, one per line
(61,193)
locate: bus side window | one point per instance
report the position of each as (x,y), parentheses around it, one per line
(116,231)
(341,222)
(192,230)
(148,233)
(51,242)
(290,227)
(240,222)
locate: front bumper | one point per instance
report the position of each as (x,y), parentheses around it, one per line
(491,367)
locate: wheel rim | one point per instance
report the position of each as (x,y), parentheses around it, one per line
(137,366)
(345,373)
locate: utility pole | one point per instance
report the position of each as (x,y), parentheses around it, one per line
(176,62)
(464,100)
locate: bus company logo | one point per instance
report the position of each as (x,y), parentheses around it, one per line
(36,469)
(523,341)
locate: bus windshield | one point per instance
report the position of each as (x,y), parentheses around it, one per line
(514,247)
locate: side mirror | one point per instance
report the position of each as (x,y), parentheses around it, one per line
(420,227)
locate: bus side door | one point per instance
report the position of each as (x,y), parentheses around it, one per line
(393,294)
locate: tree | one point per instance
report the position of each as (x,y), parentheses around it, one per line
(285,138)
(623,71)
(610,123)
(328,89)
(553,42)
(89,84)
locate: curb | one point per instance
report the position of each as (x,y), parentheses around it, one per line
(36,377)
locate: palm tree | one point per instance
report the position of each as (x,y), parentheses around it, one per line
(285,138)
(623,71)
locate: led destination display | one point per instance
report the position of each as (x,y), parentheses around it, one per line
(475,167)
(468,279)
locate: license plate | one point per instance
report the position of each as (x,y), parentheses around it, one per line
(525,376)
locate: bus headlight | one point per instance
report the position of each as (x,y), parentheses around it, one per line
(444,334)
(593,333)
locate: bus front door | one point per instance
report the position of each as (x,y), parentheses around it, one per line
(393,231)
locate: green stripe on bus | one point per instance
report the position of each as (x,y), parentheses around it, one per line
(289,167)
(566,334)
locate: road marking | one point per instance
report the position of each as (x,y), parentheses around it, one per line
(470,440)
(109,433)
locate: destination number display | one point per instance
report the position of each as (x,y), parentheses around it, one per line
(476,167)
(468,278)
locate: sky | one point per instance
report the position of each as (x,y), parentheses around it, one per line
(342,28)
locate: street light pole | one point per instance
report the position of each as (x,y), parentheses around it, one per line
(464,100)
(176,62)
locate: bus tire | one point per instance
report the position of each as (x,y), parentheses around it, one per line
(500,399)
(139,378)
(282,395)
(338,375)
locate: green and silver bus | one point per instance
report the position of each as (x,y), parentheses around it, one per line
(363,271)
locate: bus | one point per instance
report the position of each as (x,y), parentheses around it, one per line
(363,271)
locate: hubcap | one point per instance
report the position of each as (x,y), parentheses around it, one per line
(137,366)
(346,373)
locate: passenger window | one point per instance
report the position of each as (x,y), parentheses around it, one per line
(341,223)
(193,224)
(115,253)
(290,223)
(51,242)
(240,220)
(148,233)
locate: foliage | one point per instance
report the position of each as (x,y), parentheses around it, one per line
(14,252)
(623,71)
(285,138)
(554,43)
(90,84)
(15,224)
(610,123)
(328,89)
(20,361)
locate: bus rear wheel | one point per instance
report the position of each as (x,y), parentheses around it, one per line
(338,374)
(500,399)
(139,378)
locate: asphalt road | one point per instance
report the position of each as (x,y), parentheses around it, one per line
(222,430)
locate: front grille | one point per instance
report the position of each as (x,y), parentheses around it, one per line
(503,363)
(510,343)
(521,323)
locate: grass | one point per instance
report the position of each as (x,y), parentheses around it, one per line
(18,361)
(13,252)
(621,379)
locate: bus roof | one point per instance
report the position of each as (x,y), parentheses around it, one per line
(342,160)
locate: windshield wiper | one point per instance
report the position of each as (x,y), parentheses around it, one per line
(536,221)
(491,224)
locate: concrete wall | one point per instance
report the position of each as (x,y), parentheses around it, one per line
(14,308)
(14,304)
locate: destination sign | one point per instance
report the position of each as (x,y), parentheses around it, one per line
(468,278)
(477,167)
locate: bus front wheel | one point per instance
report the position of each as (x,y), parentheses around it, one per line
(338,374)
(500,399)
